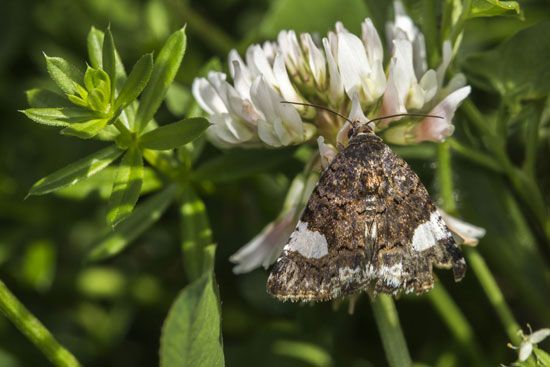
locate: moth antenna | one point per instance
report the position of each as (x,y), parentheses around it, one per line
(321,108)
(374,119)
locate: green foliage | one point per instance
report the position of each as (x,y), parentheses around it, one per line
(191,334)
(171,181)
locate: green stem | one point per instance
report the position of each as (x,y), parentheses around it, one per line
(475,156)
(445,177)
(457,323)
(34,330)
(477,263)
(493,292)
(393,340)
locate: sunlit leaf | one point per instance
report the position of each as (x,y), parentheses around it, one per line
(62,116)
(102,184)
(174,135)
(195,231)
(109,59)
(191,334)
(64,74)
(44,98)
(141,219)
(127,187)
(166,66)
(136,81)
(237,163)
(77,171)
(86,130)
(95,47)
(489,8)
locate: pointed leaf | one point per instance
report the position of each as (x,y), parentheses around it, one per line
(238,163)
(489,8)
(137,80)
(164,71)
(109,59)
(127,187)
(143,217)
(64,74)
(77,171)
(86,130)
(44,98)
(95,47)
(59,116)
(174,135)
(195,231)
(191,334)
(102,185)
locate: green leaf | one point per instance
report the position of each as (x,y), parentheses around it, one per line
(95,47)
(143,217)
(77,171)
(102,184)
(59,116)
(238,163)
(174,135)
(195,231)
(164,72)
(136,82)
(127,187)
(86,130)
(191,334)
(44,98)
(64,74)
(518,67)
(489,8)
(109,59)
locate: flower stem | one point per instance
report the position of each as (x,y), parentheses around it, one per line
(457,323)
(393,340)
(34,330)
(493,292)
(480,268)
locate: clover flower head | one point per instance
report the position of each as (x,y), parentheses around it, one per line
(529,342)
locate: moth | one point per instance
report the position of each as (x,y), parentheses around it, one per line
(369,225)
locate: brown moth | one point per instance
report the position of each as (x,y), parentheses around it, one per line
(369,225)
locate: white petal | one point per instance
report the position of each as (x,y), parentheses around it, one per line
(207,97)
(342,138)
(259,64)
(539,336)
(229,130)
(467,233)
(283,81)
(525,351)
(372,41)
(241,79)
(419,55)
(264,249)
(429,85)
(352,62)
(403,21)
(232,58)
(437,129)
(326,152)
(316,60)
(336,88)
(288,43)
(393,101)
(356,113)
(447,54)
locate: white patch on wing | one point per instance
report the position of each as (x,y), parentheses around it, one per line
(310,244)
(429,233)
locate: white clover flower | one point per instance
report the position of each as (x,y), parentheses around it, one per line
(529,342)
(332,72)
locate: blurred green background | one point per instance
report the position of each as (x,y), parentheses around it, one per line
(110,314)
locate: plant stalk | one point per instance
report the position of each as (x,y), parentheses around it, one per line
(34,330)
(389,327)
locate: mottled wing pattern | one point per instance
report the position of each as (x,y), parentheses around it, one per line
(368,225)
